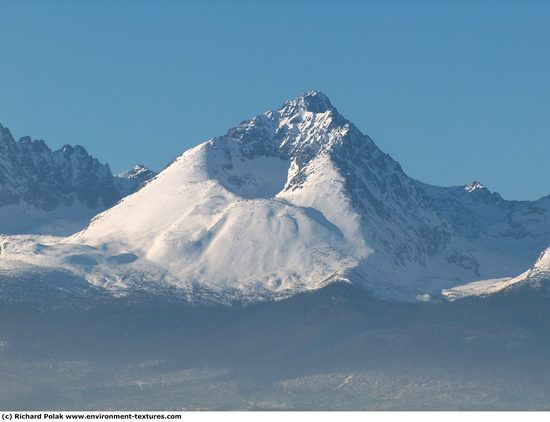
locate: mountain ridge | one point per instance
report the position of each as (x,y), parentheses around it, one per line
(289,201)
(54,192)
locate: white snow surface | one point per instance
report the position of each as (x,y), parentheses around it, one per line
(62,221)
(538,272)
(287,202)
(481,287)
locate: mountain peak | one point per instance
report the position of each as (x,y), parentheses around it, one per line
(473,186)
(5,134)
(311,101)
(130,181)
(139,171)
(34,144)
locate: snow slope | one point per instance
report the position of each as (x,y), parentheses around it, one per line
(287,202)
(539,272)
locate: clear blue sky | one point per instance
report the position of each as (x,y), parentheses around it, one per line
(455,91)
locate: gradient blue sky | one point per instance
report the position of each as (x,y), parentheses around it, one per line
(455,91)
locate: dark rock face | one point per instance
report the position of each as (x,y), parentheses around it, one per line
(33,177)
(33,173)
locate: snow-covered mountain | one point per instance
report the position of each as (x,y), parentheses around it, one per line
(290,201)
(534,277)
(55,192)
(130,181)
